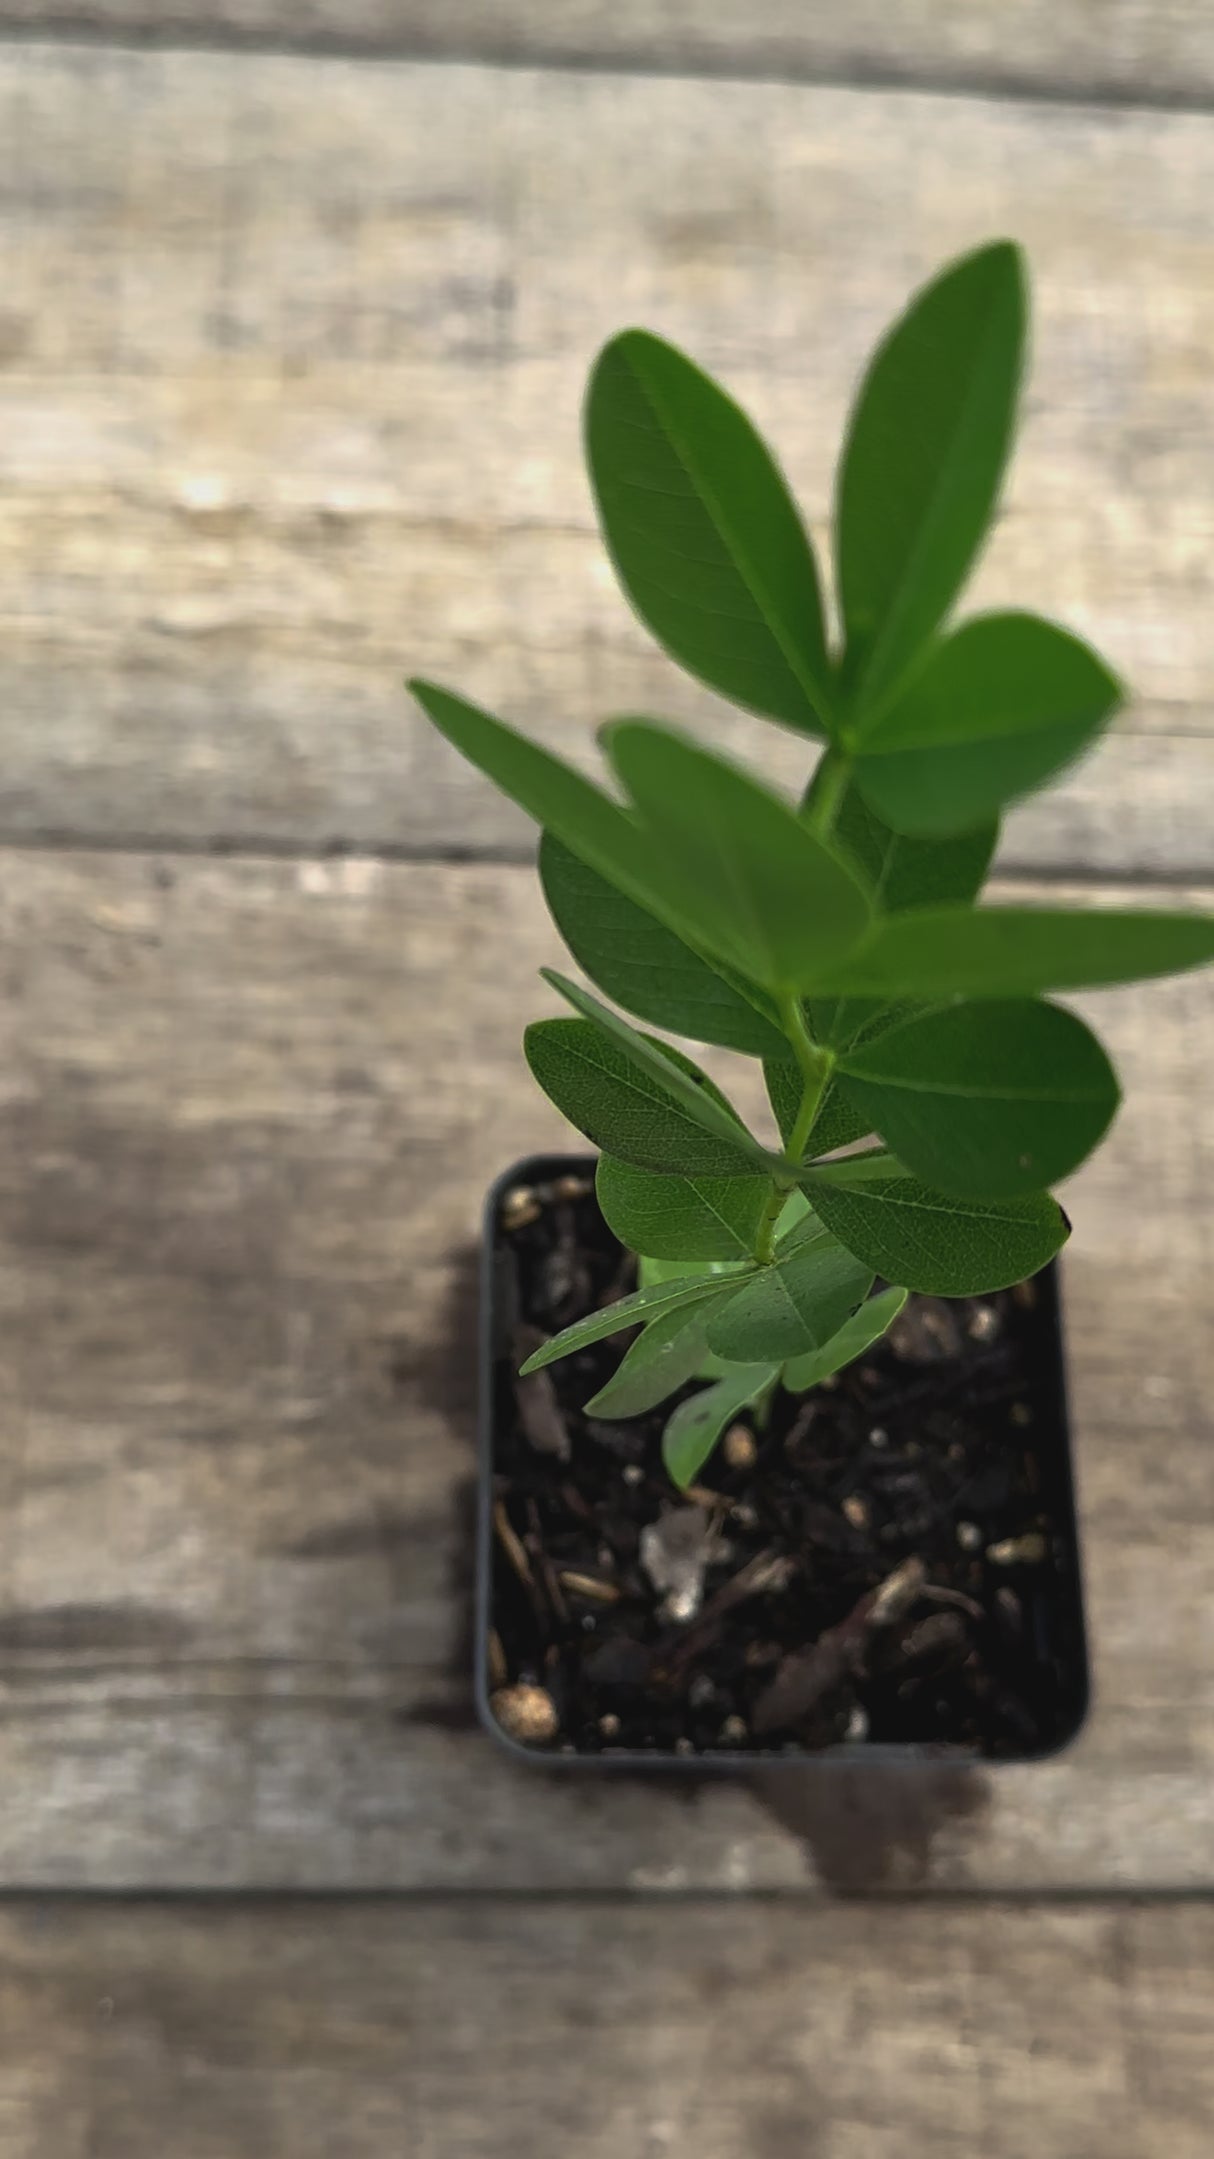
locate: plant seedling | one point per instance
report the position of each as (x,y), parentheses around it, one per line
(927,1089)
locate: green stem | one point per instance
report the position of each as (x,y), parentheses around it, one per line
(816,1068)
(824,796)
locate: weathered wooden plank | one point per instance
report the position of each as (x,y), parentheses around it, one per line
(1142,50)
(502,2031)
(292,355)
(248,1112)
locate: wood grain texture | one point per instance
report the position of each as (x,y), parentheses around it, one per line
(498,2031)
(247,1114)
(291,355)
(1141,50)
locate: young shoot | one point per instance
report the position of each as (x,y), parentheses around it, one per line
(927,1088)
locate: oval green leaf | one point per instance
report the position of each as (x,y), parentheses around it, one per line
(566,803)
(989,1100)
(681,1218)
(643,1305)
(643,965)
(1018,951)
(930,1240)
(672,1073)
(794,1305)
(697,1424)
(774,900)
(855,1336)
(902,872)
(925,453)
(666,1355)
(704,535)
(625,1108)
(999,707)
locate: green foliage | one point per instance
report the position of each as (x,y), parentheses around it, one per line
(857,1334)
(843,941)
(703,532)
(837,1123)
(669,1351)
(640,963)
(654,1109)
(985,1100)
(792,1306)
(902,872)
(923,461)
(747,853)
(1019,951)
(994,710)
(697,1424)
(659,1064)
(644,1304)
(681,1218)
(929,1240)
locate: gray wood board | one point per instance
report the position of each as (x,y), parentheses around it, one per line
(291,355)
(1139,50)
(249,1112)
(494,2030)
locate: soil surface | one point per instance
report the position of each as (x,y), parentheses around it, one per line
(891,1560)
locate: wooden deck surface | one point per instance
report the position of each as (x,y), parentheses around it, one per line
(492,2030)
(291,350)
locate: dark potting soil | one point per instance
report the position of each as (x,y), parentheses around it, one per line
(889,1560)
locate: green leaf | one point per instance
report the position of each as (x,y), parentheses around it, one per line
(774,901)
(998,708)
(697,1424)
(901,872)
(925,452)
(643,965)
(837,1123)
(681,1218)
(564,802)
(792,1306)
(1018,951)
(643,1305)
(630,1108)
(785,1083)
(670,1270)
(988,1100)
(651,1270)
(855,1336)
(672,1073)
(667,1354)
(930,1240)
(704,535)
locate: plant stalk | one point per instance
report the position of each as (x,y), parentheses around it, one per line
(816,1066)
(824,796)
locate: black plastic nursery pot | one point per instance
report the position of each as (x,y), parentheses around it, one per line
(885,1569)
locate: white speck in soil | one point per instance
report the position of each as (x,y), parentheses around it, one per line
(1026,1551)
(675,1551)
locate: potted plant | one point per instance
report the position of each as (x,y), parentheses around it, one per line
(777,1459)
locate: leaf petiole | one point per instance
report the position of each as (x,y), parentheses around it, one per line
(816,1065)
(824,795)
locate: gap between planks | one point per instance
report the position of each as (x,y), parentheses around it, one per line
(828,52)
